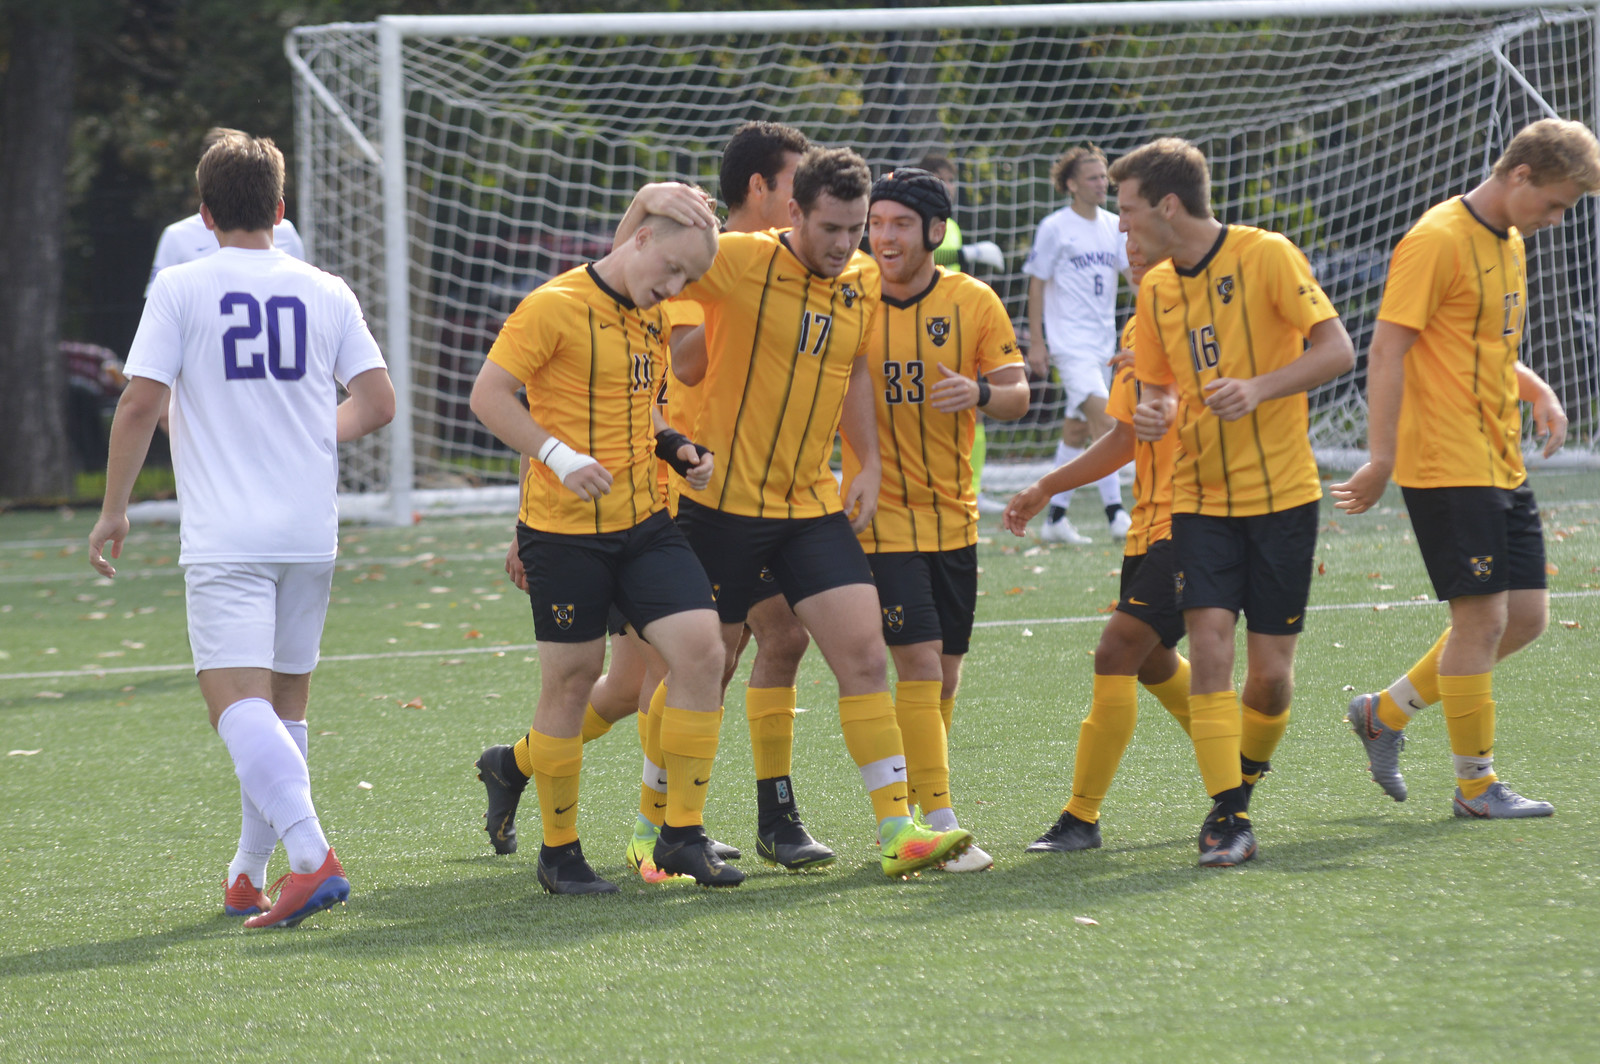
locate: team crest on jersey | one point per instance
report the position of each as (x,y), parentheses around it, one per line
(938,330)
(654,330)
(564,613)
(1178,582)
(894,617)
(716,589)
(1225,289)
(849,294)
(1483,567)
(1008,348)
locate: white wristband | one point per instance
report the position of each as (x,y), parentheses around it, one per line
(562,460)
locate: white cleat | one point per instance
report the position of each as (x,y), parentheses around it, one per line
(1500,802)
(1061,531)
(971,860)
(1120,524)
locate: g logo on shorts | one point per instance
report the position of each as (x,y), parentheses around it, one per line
(1483,567)
(564,613)
(894,617)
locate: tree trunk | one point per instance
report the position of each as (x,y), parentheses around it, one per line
(34,453)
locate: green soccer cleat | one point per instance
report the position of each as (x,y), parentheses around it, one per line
(916,846)
(642,849)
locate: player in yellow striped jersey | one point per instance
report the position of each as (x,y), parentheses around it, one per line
(1443,388)
(588,347)
(787,321)
(1139,644)
(937,336)
(1221,345)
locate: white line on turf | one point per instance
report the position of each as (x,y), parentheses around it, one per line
(397,655)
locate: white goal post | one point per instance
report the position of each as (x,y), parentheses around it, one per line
(447,165)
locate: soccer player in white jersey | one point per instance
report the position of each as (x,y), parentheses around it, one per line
(251,345)
(190,238)
(1072,301)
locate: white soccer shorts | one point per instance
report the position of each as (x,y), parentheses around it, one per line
(257,615)
(1082,375)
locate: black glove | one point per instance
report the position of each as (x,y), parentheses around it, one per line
(669,442)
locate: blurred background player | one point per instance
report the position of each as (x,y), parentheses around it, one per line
(1443,385)
(189,239)
(1221,345)
(1072,271)
(940,334)
(1139,644)
(588,348)
(787,324)
(251,345)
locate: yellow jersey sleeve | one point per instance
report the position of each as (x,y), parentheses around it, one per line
(591,363)
(1462,286)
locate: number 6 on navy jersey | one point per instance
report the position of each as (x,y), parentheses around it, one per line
(258,366)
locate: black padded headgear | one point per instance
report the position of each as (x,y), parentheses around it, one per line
(919,190)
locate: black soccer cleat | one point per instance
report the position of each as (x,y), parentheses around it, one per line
(562,870)
(724,851)
(1226,840)
(1067,835)
(789,844)
(691,855)
(497,768)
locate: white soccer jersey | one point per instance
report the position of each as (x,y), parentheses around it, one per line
(189,239)
(251,343)
(1079,259)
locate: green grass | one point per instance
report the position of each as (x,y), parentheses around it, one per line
(1364,931)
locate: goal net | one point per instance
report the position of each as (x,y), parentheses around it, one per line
(447,165)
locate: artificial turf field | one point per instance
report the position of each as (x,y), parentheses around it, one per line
(1364,931)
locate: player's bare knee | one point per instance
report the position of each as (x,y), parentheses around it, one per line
(1075,433)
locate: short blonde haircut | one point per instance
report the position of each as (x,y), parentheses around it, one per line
(1554,150)
(1169,165)
(241,182)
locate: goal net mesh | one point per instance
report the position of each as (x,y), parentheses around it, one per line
(521,152)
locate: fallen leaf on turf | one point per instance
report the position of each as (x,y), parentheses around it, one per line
(1033,552)
(1380,607)
(453,661)
(1373,576)
(1338,646)
(1014,591)
(132,645)
(415,703)
(473,634)
(364,786)
(327,733)
(1027,632)
(1322,568)
(1571,624)
(1086,921)
(23,753)
(1550,569)
(1385,587)
(1348,687)
(49,694)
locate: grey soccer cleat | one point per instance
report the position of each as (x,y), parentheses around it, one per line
(1383,745)
(1500,802)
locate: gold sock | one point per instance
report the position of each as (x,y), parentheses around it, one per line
(689,743)
(947,710)
(873,739)
(1468,703)
(1424,677)
(1214,725)
(916,710)
(1102,738)
(524,758)
(1259,736)
(556,763)
(770,712)
(1173,693)
(594,725)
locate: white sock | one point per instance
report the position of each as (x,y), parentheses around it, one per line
(1404,693)
(1110,490)
(273,775)
(1064,454)
(942,819)
(257,840)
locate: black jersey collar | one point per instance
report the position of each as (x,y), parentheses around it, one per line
(1200,267)
(594,275)
(902,304)
(1501,233)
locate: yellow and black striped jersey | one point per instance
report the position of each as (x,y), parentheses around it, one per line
(780,344)
(1243,311)
(592,363)
(1152,463)
(1463,287)
(927,500)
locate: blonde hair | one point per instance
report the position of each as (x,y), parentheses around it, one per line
(1066,168)
(1554,150)
(241,182)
